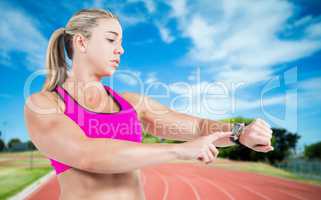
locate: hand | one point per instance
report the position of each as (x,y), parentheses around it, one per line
(257,136)
(201,148)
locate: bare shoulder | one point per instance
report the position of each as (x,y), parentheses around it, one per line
(42,103)
(132,97)
(143,103)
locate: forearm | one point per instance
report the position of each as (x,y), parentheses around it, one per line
(183,127)
(173,126)
(115,156)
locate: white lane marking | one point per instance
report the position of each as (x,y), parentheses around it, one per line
(193,188)
(254,192)
(291,195)
(217,186)
(164,181)
(35,186)
(289,184)
(247,188)
(285,184)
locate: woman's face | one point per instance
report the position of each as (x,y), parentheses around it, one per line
(104,47)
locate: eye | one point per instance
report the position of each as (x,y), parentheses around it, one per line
(111,40)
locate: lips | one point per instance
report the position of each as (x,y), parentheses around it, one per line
(116,61)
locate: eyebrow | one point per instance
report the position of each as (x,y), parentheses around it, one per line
(112,32)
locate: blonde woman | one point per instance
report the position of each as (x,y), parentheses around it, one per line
(74,119)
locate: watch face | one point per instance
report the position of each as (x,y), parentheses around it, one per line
(236,131)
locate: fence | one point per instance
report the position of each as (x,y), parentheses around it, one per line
(307,168)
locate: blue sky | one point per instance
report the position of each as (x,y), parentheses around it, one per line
(208,58)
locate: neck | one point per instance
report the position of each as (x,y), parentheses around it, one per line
(81,78)
(80,71)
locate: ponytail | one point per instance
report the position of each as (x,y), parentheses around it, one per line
(56,61)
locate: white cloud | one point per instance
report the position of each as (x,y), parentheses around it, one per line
(311,84)
(179,8)
(310,91)
(222,99)
(243,35)
(18,33)
(119,9)
(129,20)
(314,31)
(150,5)
(217,101)
(165,34)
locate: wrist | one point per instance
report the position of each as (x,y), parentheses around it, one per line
(237,130)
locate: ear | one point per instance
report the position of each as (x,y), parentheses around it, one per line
(80,42)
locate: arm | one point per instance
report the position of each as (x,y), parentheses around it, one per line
(61,139)
(163,122)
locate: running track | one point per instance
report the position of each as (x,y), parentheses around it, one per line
(196,181)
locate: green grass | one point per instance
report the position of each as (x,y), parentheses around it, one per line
(15,172)
(13,181)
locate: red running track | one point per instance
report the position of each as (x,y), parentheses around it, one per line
(194,181)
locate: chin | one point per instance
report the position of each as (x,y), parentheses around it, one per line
(109,71)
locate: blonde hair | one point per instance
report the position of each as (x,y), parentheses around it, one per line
(82,22)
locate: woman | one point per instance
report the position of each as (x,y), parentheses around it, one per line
(74,119)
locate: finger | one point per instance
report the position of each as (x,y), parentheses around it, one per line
(263,148)
(262,140)
(213,150)
(200,157)
(210,156)
(204,156)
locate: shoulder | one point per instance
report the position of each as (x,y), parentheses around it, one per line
(43,102)
(135,99)
(42,113)
(143,103)
(132,97)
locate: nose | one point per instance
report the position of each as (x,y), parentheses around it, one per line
(119,50)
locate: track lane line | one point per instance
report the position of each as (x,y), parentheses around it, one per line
(165,183)
(216,186)
(197,196)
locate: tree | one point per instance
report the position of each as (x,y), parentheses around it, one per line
(283,142)
(31,146)
(2,145)
(313,151)
(13,142)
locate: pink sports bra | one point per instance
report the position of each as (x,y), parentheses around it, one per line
(122,125)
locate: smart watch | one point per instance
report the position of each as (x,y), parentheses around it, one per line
(236,132)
